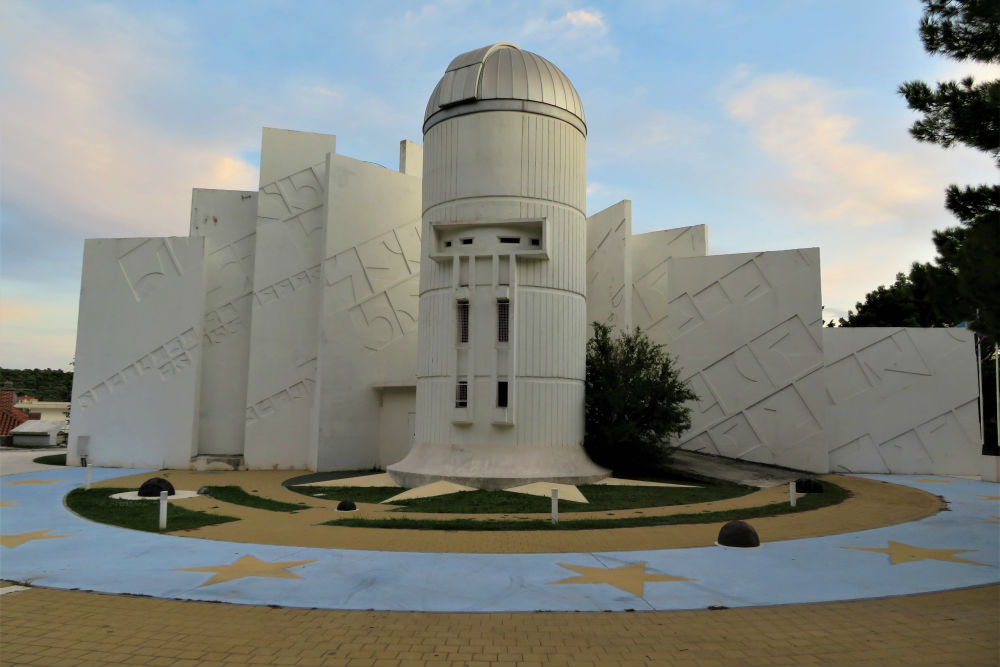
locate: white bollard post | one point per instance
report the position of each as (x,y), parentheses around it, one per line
(791,493)
(163,510)
(86,464)
(555,505)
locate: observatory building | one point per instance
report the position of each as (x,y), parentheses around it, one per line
(432,321)
(503,310)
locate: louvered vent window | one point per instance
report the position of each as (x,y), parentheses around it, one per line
(463,321)
(503,320)
(462,394)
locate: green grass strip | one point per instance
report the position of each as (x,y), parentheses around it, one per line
(601,498)
(51,460)
(359,494)
(237,496)
(97,505)
(832,494)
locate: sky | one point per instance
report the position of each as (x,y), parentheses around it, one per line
(774,122)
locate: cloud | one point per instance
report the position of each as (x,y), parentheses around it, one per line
(79,145)
(828,174)
(583,29)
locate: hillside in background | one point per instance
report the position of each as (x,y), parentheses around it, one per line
(45,385)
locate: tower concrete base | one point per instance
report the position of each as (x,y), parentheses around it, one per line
(494,467)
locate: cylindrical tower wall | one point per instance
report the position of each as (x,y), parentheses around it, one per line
(502,330)
(490,167)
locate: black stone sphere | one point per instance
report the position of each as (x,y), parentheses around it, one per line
(151,488)
(808,485)
(738,534)
(346,506)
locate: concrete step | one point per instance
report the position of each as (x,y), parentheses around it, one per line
(204,462)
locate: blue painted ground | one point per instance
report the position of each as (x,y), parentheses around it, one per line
(102,558)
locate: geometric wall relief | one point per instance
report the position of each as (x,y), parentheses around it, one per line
(651,253)
(369,306)
(138,351)
(147,266)
(284,322)
(166,361)
(746,332)
(609,266)
(901,400)
(228,221)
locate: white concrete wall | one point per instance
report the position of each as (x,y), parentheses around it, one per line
(609,266)
(902,400)
(227,219)
(747,333)
(281,419)
(650,253)
(138,352)
(369,305)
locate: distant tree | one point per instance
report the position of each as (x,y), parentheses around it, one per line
(968,113)
(45,385)
(634,401)
(925,297)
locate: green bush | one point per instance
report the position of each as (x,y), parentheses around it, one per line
(634,401)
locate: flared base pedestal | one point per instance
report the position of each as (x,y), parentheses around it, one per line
(494,467)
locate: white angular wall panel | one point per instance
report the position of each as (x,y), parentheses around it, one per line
(650,255)
(138,352)
(747,333)
(227,220)
(369,309)
(902,400)
(281,419)
(609,266)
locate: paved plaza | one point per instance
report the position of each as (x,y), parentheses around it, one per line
(883,578)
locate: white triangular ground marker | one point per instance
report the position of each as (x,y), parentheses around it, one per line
(566,491)
(381,479)
(429,490)
(615,481)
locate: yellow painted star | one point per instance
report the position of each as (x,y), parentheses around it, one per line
(248,566)
(8,503)
(629,578)
(927,480)
(20,538)
(30,481)
(905,553)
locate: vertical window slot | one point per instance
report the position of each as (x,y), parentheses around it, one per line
(503,320)
(462,314)
(502,394)
(462,394)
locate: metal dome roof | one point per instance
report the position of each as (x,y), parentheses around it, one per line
(502,71)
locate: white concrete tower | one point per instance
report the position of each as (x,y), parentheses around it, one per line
(502,333)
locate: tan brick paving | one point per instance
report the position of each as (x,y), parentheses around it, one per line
(50,627)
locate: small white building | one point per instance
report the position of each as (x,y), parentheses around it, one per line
(37,433)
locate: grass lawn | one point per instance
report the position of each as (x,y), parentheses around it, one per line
(237,496)
(602,498)
(51,459)
(97,505)
(832,494)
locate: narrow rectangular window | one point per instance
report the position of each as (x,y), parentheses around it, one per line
(502,394)
(466,241)
(510,239)
(462,394)
(503,320)
(463,321)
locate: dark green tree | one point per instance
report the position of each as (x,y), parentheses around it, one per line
(634,401)
(968,113)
